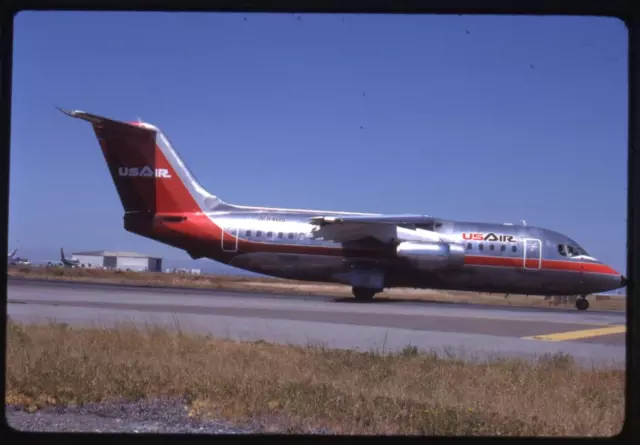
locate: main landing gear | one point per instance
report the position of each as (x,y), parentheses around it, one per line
(363,293)
(582,304)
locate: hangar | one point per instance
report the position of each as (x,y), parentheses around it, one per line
(119,260)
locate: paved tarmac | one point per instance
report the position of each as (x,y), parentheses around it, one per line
(473,331)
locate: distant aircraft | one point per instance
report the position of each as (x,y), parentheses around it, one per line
(68,262)
(163,201)
(16,260)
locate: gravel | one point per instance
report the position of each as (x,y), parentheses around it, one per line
(145,416)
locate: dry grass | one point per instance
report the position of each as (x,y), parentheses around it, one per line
(276,285)
(295,388)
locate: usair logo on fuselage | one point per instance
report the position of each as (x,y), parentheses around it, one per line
(491,237)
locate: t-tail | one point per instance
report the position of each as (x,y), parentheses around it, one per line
(151,179)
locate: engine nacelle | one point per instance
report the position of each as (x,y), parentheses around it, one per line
(432,254)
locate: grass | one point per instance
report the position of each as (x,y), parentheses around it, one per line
(293,389)
(275,285)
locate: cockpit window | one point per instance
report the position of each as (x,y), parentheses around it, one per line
(580,250)
(571,250)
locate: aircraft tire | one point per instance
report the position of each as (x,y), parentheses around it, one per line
(582,304)
(363,294)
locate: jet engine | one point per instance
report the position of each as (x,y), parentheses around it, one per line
(432,254)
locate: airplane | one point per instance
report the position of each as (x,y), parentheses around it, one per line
(163,201)
(16,260)
(68,262)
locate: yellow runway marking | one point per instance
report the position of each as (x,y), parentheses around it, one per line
(575,335)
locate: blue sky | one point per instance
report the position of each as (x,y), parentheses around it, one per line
(472,118)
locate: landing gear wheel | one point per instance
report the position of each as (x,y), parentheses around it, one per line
(582,304)
(363,294)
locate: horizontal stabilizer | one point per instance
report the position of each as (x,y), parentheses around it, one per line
(92,118)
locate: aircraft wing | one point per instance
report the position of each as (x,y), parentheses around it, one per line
(344,228)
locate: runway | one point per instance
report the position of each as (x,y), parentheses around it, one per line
(463,329)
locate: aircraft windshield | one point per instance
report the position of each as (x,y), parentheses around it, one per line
(571,250)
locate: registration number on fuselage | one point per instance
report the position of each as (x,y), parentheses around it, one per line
(272,218)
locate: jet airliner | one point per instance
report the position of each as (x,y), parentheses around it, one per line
(68,262)
(16,260)
(163,201)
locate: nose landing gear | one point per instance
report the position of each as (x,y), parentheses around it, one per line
(582,304)
(363,293)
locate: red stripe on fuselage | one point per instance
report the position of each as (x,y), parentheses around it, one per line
(559,265)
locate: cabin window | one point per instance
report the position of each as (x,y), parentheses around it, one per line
(480,246)
(290,235)
(247,233)
(302,236)
(259,233)
(469,246)
(269,234)
(503,248)
(280,234)
(491,247)
(514,248)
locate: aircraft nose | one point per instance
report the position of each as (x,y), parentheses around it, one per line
(623,280)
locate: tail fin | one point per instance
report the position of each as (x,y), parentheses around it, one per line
(61,254)
(148,173)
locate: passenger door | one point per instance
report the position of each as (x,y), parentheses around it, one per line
(229,239)
(532,253)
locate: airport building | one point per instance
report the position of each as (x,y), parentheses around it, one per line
(119,260)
